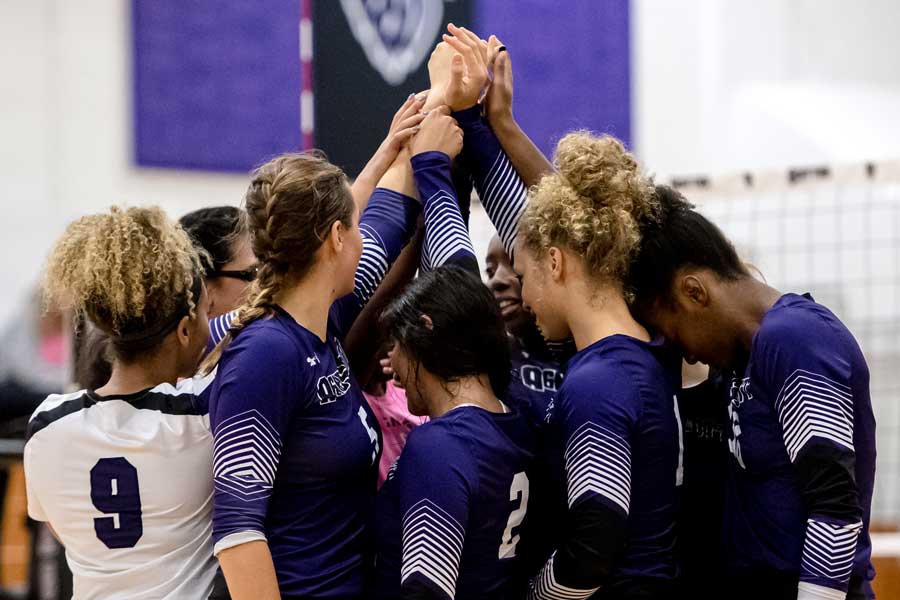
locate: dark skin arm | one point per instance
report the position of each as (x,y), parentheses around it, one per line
(364,339)
(529,162)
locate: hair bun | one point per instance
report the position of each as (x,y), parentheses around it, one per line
(602,171)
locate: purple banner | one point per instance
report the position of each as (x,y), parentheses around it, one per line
(571,64)
(216,84)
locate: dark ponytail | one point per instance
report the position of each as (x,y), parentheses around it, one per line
(467,336)
(676,237)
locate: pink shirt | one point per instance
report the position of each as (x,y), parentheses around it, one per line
(396,422)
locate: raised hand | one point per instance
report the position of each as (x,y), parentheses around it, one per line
(458,68)
(498,100)
(439,71)
(438,132)
(404,124)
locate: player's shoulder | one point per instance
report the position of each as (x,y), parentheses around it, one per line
(164,399)
(599,368)
(440,449)
(53,408)
(443,436)
(796,321)
(268,341)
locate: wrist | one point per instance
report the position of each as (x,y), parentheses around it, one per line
(435,98)
(810,591)
(426,158)
(465,106)
(468,117)
(503,121)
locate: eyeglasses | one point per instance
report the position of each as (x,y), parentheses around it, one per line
(248,274)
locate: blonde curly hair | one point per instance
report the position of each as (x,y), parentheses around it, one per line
(126,270)
(593,205)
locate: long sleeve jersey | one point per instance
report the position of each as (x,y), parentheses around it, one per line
(619,433)
(449,513)
(296,445)
(803,455)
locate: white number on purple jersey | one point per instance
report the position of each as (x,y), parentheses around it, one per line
(517,491)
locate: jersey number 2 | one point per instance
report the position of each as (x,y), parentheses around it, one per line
(114,491)
(517,491)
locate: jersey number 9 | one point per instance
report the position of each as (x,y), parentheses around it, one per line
(115,491)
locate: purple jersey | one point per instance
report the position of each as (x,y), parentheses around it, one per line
(296,445)
(620,450)
(449,513)
(536,377)
(803,453)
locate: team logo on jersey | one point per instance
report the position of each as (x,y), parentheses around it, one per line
(337,383)
(312,360)
(738,393)
(548,414)
(395,35)
(540,380)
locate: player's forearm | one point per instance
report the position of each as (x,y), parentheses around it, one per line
(399,177)
(446,237)
(363,341)
(250,572)
(825,474)
(500,189)
(527,159)
(387,225)
(368,178)
(587,555)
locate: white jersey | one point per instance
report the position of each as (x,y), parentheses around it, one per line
(126,484)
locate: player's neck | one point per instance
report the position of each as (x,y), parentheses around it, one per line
(129,378)
(309,300)
(749,301)
(470,391)
(531,339)
(604,314)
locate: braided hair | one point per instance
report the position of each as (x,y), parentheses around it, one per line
(291,204)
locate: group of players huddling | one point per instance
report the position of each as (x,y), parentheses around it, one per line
(552,452)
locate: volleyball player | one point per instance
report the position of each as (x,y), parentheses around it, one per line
(222,232)
(99,462)
(802,430)
(449,513)
(297,446)
(536,373)
(615,408)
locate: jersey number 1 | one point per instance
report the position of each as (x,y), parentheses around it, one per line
(517,491)
(114,491)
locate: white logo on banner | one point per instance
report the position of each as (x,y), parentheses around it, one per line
(396,35)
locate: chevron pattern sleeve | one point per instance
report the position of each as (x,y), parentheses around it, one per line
(386,226)
(219,326)
(815,407)
(501,190)
(436,481)
(597,433)
(446,237)
(255,401)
